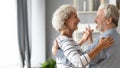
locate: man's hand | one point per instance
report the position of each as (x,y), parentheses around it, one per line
(90,39)
(55,47)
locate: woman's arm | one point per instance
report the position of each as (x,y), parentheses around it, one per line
(103,43)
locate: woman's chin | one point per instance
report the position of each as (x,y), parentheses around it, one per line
(75,29)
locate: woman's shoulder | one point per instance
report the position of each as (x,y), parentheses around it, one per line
(63,38)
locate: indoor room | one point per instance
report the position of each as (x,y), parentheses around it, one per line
(27,33)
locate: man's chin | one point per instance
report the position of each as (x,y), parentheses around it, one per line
(99,29)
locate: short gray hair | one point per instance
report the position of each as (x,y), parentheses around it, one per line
(61,14)
(112,11)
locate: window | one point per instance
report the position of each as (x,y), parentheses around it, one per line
(9,55)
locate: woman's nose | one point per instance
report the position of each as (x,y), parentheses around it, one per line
(78,20)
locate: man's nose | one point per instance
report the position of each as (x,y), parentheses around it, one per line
(95,20)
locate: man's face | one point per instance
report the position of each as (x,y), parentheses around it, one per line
(100,20)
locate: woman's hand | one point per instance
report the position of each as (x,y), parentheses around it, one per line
(90,39)
(87,35)
(105,42)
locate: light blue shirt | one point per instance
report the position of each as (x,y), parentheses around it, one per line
(110,57)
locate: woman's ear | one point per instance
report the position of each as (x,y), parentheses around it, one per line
(65,24)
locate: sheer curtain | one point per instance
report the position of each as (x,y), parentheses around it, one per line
(9,54)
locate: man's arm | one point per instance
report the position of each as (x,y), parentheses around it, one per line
(55,48)
(101,56)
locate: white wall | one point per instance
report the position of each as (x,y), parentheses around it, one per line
(9,54)
(38,32)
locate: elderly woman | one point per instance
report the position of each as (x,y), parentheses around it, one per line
(65,21)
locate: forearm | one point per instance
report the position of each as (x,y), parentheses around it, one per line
(90,40)
(103,43)
(81,42)
(94,52)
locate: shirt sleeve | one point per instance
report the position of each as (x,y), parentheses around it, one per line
(98,59)
(92,45)
(72,54)
(60,56)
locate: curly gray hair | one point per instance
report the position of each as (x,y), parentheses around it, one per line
(61,14)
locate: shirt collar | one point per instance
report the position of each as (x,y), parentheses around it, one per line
(108,32)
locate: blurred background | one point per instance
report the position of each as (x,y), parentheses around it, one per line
(26,32)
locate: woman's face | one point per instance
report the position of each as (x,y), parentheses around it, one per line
(72,22)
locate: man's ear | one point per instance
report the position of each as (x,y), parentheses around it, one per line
(109,20)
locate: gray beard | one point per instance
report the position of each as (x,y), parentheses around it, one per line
(100,28)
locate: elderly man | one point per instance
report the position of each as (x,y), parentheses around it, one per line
(107,21)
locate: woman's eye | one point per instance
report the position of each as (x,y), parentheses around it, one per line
(75,16)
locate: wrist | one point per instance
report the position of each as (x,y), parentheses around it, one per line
(90,39)
(99,46)
(83,40)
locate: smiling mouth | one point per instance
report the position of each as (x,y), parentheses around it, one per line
(76,24)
